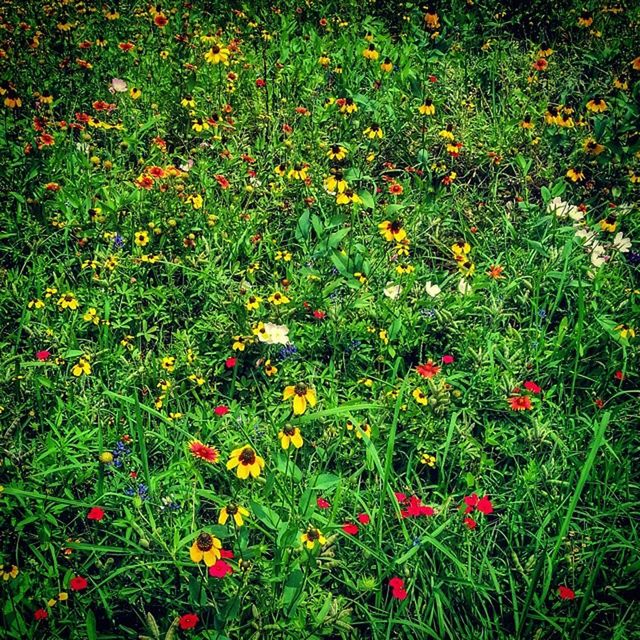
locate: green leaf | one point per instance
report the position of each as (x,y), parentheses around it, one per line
(270,518)
(367,199)
(90,621)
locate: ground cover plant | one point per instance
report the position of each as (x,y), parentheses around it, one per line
(318,320)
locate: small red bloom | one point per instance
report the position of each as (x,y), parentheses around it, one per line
(397,588)
(619,375)
(599,403)
(318,314)
(222,181)
(416,509)
(484,506)
(396,583)
(350,528)
(400,497)
(226,553)
(520,403)
(230,363)
(399,594)
(260,83)
(447,359)
(363,518)
(322,503)
(78,583)
(43,355)
(188,621)
(221,410)
(433,79)
(470,523)
(529,385)
(95,513)
(40,614)
(565,593)
(220,569)
(428,370)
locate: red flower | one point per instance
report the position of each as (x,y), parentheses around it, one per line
(363,518)
(428,370)
(226,553)
(78,583)
(447,359)
(203,451)
(565,593)
(260,83)
(221,410)
(399,594)
(400,497)
(397,588)
(619,375)
(222,181)
(529,385)
(322,503)
(484,506)
(599,403)
(230,362)
(416,509)
(43,355)
(471,501)
(318,314)
(350,528)
(220,569)
(188,621)
(470,523)
(95,513)
(520,403)
(40,614)
(433,79)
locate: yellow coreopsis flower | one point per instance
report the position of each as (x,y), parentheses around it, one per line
(91,316)
(237,512)
(141,238)
(427,108)
(290,436)
(419,396)
(374,131)
(626,331)
(301,394)
(168,363)
(68,301)
(82,367)
(253,303)
(217,54)
(205,547)
(312,536)
(278,298)
(246,462)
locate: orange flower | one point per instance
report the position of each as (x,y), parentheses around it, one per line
(495,271)
(428,370)
(203,451)
(520,403)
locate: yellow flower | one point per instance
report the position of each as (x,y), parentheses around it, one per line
(387,65)
(253,303)
(597,105)
(392,230)
(68,301)
(575,175)
(374,131)
(135,93)
(427,108)
(141,238)
(284,255)
(420,396)
(168,363)
(360,277)
(199,125)
(428,459)
(239,343)
(9,571)
(188,101)
(36,304)
(301,394)
(312,536)
(383,334)
(235,511)
(336,152)
(91,316)
(82,367)
(278,298)
(592,148)
(626,331)
(362,431)
(106,457)
(63,596)
(290,435)
(461,248)
(246,462)
(205,547)
(347,196)
(335,183)
(217,54)
(298,172)
(270,369)
(405,268)
(370,52)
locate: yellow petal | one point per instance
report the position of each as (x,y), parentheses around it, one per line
(243,471)
(210,557)
(195,553)
(224,516)
(311,397)
(254,469)
(232,463)
(297,440)
(238,519)
(299,405)
(288,392)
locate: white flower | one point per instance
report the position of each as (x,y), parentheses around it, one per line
(587,235)
(392,290)
(117,86)
(274,334)
(621,243)
(433,289)
(598,257)
(464,287)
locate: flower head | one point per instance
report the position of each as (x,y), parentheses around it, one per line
(203,452)
(246,462)
(301,394)
(205,547)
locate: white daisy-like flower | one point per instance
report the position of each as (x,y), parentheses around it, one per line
(392,291)
(432,289)
(274,334)
(620,243)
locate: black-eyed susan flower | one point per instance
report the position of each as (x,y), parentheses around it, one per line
(290,435)
(246,462)
(68,300)
(551,114)
(526,122)
(135,93)
(360,277)
(324,60)
(270,369)
(205,547)
(609,224)
(277,298)
(347,105)
(592,148)
(403,268)
(235,511)
(625,331)
(585,19)
(336,152)
(335,183)
(253,303)
(348,196)
(217,54)
(374,131)
(447,132)
(301,394)
(370,53)
(575,175)
(460,248)
(387,65)
(141,238)
(240,343)
(427,108)
(428,460)
(299,171)
(168,363)
(597,105)
(311,537)
(188,101)
(9,571)
(283,255)
(204,452)
(82,367)
(419,396)
(198,125)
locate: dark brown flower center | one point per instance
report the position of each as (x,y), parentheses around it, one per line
(289,430)
(6,568)
(300,389)
(312,534)
(204,542)
(232,509)
(247,456)
(215,49)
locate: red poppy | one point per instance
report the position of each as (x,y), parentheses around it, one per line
(40,614)
(520,403)
(222,181)
(221,410)
(529,385)
(43,355)
(322,503)
(363,518)
(470,523)
(428,370)
(565,593)
(220,569)
(350,528)
(78,583)
(95,513)
(188,621)
(230,363)
(447,359)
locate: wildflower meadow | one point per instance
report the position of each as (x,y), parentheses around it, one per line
(319,320)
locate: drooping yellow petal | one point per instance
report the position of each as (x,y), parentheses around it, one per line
(299,405)
(288,392)
(243,471)
(211,556)
(311,397)
(195,553)
(224,516)
(296,439)
(238,518)
(254,469)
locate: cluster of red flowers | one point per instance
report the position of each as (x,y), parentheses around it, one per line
(413,506)
(397,588)
(520,401)
(483,505)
